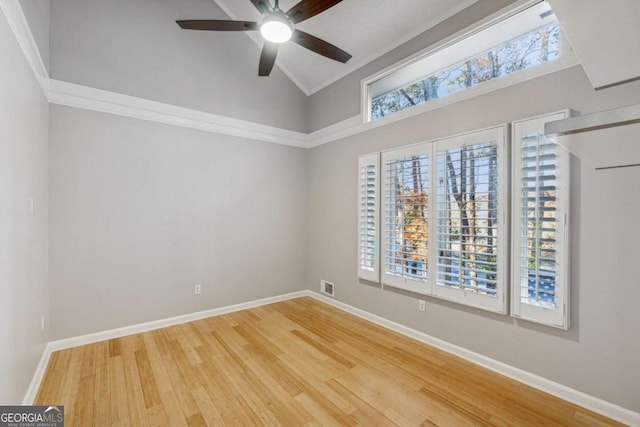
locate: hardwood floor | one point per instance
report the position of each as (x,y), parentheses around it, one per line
(298,362)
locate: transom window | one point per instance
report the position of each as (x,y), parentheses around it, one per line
(519,42)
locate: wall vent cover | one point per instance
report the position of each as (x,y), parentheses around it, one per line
(326,288)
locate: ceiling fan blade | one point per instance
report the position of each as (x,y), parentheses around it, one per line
(217,25)
(320,46)
(308,8)
(267,58)
(261,5)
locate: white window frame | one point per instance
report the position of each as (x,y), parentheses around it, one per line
(498,303)
(406,283)
(559,316)
(568,59)
(372,275)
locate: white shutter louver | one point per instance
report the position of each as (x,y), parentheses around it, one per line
(541,174)
(467,218)
(470,242)
(443,207)
(368,229)
(405,207)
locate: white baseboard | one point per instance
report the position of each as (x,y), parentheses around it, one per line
(163,323)
(592,403)
(30,396)
(139,328)
(579,398)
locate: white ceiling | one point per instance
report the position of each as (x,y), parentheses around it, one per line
(367,29)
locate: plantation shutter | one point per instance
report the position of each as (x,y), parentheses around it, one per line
(368,235)
(470,207)
(405,205)
(541,176)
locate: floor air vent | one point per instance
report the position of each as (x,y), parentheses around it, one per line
(326,287)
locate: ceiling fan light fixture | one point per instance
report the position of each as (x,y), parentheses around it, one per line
(276,29)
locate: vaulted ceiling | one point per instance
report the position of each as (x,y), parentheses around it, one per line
(135,48)
(366,29)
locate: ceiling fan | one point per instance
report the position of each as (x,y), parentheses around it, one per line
(277,27)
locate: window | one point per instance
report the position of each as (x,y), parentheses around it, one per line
(471,176)
(405,201)
(368,236)
(526,40)
(540,230)
(442,207)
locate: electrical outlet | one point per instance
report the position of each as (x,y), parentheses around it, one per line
(422,305)
(32,203)
(197,289)
(42,322)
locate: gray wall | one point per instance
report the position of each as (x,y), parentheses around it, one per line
(141,212)
(23,236)
(38,14)
(341,100)
(136,48)
(599,354)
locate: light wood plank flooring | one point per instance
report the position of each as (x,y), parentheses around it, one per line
(294,363)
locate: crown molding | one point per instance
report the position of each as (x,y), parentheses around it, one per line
(73,95)
(22,32)
(88,98)
(340,130)
(78,96)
